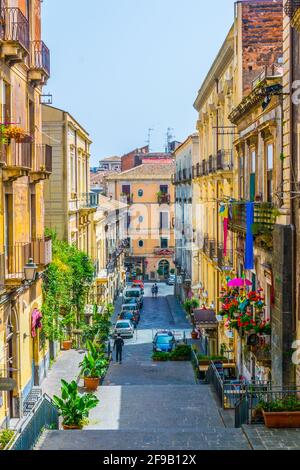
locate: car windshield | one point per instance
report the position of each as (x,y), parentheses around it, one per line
(133,293)
(129,307)
(123,325)
(164,339)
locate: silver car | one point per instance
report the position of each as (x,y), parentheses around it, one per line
(125,328)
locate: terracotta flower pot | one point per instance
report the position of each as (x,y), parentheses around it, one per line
(91,383)
(67,345)
(285,419)
(72,428)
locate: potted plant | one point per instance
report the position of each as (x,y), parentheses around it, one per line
(281,413)
(67,344)
(93,367)
(73,406)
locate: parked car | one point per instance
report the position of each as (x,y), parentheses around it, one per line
(171,280)
(133,294)
(125,328)
(164,342)
(133,309)
(128,315)
(137,283)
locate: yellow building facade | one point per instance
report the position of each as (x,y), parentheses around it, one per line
(213,180)
(108,245)
(25,164)
(69,203)
(150,194)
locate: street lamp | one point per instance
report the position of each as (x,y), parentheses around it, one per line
(30,269)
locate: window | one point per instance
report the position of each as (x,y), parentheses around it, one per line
(241,176)
(164,243)
(140,193)
(126,189)
(164,220)
(164,189)
(141,243)
(252,175)
(269,163)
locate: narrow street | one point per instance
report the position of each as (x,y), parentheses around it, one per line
(147,406)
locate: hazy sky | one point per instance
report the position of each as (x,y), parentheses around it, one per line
(123,66)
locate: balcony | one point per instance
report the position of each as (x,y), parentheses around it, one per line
(16,159)
(42,167)
(225,263)
(14,35)
(224,160)
(264,218)
(158,251)
(39,71)
(163,198)
(14,258)
(88,202)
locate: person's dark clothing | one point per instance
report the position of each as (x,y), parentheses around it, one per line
(118,346)
(119,355)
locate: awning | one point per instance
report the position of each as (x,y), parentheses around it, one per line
(205,318)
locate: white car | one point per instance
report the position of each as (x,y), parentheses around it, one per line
(125,328)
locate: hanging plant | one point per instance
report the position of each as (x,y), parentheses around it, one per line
(14,132)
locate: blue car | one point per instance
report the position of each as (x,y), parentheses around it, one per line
(164,342)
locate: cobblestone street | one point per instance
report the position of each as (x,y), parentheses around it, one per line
(146,405)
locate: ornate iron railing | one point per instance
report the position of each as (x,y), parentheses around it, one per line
(43,158)
(264,217)
(40,56)
(14,27)
(16,154)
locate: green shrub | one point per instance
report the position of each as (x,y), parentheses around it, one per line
(182,352)
(161,356)
(290,403)
(6,436)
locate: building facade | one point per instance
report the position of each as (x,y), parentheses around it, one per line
(185,234)
(147,189)
(109,244)
(216,173)
(69,203)
(291,174)
(25,165)
(110,164)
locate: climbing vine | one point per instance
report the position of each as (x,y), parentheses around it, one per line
(65,287)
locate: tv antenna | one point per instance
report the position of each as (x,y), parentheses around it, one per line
(148,141)
(170,137)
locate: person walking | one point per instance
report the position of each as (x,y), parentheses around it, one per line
(156,290)
(118,346)
(153,290)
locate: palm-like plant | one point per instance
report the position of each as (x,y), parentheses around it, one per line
(74,407)
(94,363)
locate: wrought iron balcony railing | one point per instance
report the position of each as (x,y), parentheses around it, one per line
(40,57)
(16,154)
(264,217)
(89,201)
(43,159)
(14,27)
(224,160)
(225,262)
(163,198)
(14,257)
